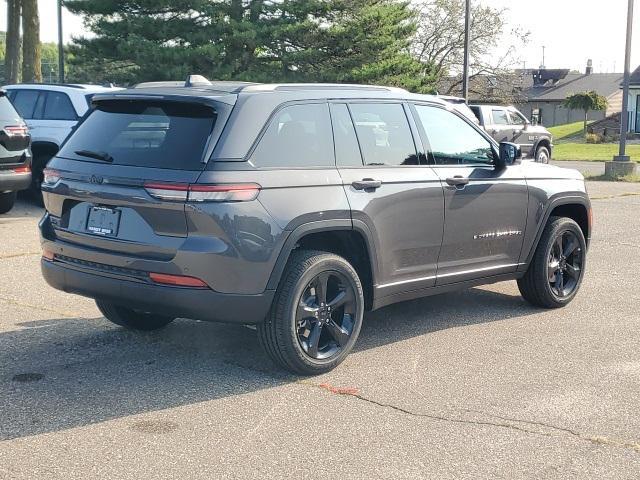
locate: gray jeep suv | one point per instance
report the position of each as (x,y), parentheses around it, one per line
(297,208)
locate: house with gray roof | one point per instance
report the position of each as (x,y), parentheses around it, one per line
(543,100)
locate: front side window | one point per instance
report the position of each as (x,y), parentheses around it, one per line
(500,117)
(516,119)
(452,140)
(298,136)
(384,134)
(58,107)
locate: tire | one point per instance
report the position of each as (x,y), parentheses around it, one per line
(7,200)
(543,155)
(546,284)
(132,319)
(288,335)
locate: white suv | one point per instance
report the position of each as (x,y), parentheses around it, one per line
(50,111)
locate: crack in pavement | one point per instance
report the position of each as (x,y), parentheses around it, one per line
(508,423)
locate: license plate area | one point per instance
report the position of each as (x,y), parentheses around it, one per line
(103,221)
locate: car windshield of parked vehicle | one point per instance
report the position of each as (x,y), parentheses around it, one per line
(452,140)
(144,133)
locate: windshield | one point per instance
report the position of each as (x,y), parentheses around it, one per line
(157,134)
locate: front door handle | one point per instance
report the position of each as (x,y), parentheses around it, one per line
(457,181)
(366,184)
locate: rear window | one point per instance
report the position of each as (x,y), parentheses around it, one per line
(7,112)
(145,134)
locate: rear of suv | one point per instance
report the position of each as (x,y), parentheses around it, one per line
(51,111)
(296,208)
(15,157)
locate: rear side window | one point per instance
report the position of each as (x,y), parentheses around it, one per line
(7,112)
(384,134)
(344,136)
(146,134)
(298,136)
(25,102)
(58,107)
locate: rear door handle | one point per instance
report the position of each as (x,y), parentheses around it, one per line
(366,184)
(457,181)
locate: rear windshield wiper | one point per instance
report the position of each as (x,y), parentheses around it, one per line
(104,156)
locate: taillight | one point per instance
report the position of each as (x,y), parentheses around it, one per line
(176,192)
(243,192)
(182,192)
(177,280)
(16,130)
(48,255)
(51,177)
(25,169)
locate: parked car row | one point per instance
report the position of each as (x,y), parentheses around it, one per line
(296,208)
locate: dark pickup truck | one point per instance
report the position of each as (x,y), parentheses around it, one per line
(507,124)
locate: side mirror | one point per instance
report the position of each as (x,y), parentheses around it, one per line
(509,154)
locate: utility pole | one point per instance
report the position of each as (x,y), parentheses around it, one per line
(622,164)
(60,45)
(544,64)
(465,68)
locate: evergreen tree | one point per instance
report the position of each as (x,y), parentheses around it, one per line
(260,40)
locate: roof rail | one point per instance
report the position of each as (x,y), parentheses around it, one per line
(52,84)
(322,86)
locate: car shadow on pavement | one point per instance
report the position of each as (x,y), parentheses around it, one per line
(63,373)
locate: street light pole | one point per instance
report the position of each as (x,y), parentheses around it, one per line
(624,123)
(465,68)
(60,45)
(622,164)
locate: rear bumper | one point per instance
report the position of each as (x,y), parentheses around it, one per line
(13,182)
(197,304)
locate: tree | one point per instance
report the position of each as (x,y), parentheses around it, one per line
(12,55)
(586,101)
(439,41)
(260,40)
(31,62)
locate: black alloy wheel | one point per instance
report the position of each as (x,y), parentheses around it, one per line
(325,316)
(316,314)
(558,265)
(565,264)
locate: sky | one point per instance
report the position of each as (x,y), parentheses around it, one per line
(572,31)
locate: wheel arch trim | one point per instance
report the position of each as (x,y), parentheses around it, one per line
(554,202)
(320,227)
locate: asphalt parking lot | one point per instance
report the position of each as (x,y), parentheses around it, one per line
(469,385)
